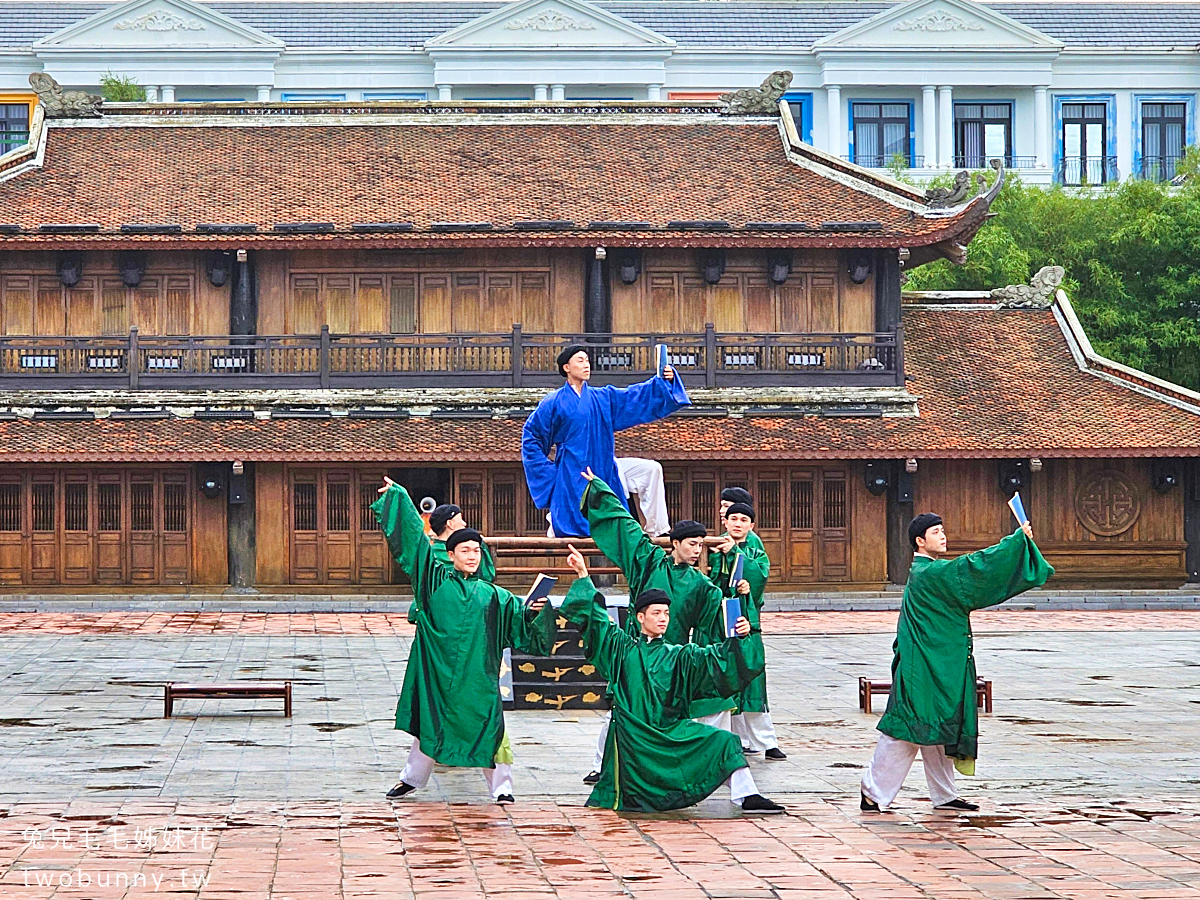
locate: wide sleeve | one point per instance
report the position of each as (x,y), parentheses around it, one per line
(537,440)
(522,629)
(992,575)
(404,530)
(755,570)
(647,401)
(487,564)
(617,534)
(718,670)
(603,642)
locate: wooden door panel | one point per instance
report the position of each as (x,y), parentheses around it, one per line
(465,303)
(662,303)
(824,303)
(760,306)
(44,559)
(373,559)
(12,558)
(143,558)
(500,314)
(537,315)
(304,559)
(434,311)
(77,558)
(793,305)
(176,559)
(727,313)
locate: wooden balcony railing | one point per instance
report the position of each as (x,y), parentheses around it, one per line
(515,359)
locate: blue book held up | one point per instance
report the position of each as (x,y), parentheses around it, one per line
(738,573)
(1018,509)
(661,360)
(731,611)
(542,586)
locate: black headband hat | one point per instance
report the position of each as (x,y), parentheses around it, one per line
(565,357)
(921,524)
(461,537)
(688,529)
(744,508)
(649,598)
(441,515)
(737,495)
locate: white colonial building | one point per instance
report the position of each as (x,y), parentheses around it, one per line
(1080,93)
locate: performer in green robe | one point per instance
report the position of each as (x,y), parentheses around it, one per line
(932,702)
(655,758)
(695,601)
(752,721)
(450,701)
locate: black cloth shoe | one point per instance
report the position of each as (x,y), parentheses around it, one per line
(747,751)
(959,804)
(591,777)
(866,804)
(776,754)
(505,798)
(400,790)
(761,806)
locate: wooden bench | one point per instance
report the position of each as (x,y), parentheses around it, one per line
(867,687)
(251,689)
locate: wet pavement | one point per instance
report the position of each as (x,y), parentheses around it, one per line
(1089,773)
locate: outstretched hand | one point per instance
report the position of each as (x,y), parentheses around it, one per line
(1028,529)
(575,561)
(727,543)
(387,483)
(742,627)
(588,474)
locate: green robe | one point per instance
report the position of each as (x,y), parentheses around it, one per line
(486,570)
(656,757)
(755,570)
(933,671)
(450,700)
(695,601)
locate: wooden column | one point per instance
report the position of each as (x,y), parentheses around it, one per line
(242,554)
(899,514)
(597,305)
(887,290)
(1191,516)
(243,298)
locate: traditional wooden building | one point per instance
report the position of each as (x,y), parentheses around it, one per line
(222,324)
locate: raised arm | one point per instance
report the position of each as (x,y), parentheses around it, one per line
(718,670)
(617,534)
(524,629)
(404,529)
(603,642)
(537,440)
(995,574)
(647,401)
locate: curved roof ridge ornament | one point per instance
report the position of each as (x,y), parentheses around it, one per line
(60,104)
(760,101)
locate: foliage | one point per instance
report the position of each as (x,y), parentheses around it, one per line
(1132,259)
(121,89)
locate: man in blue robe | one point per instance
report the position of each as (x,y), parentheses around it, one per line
(578,422)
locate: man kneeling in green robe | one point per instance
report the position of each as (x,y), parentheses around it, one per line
(932,703)
(450,701)
(655,757)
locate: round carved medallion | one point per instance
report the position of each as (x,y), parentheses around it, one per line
(1108,503)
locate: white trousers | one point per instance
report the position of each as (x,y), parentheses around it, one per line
(756,730)
(722,720)
(644,479)
(741,782)
(419,767)
(891,762)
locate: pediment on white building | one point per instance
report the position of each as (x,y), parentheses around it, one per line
(938,24)
(156,25)
(538,24)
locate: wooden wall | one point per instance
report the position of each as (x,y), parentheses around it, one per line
(272,512)
(1068,502)
(174,296)
(670,295)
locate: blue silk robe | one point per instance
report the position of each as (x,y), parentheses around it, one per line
(580,429)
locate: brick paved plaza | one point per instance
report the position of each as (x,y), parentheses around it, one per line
(1088,772)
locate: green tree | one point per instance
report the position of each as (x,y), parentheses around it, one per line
(1131,254)
(121,89)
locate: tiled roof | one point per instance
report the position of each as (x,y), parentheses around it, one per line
(689,169)
(992,383)
(692,23)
